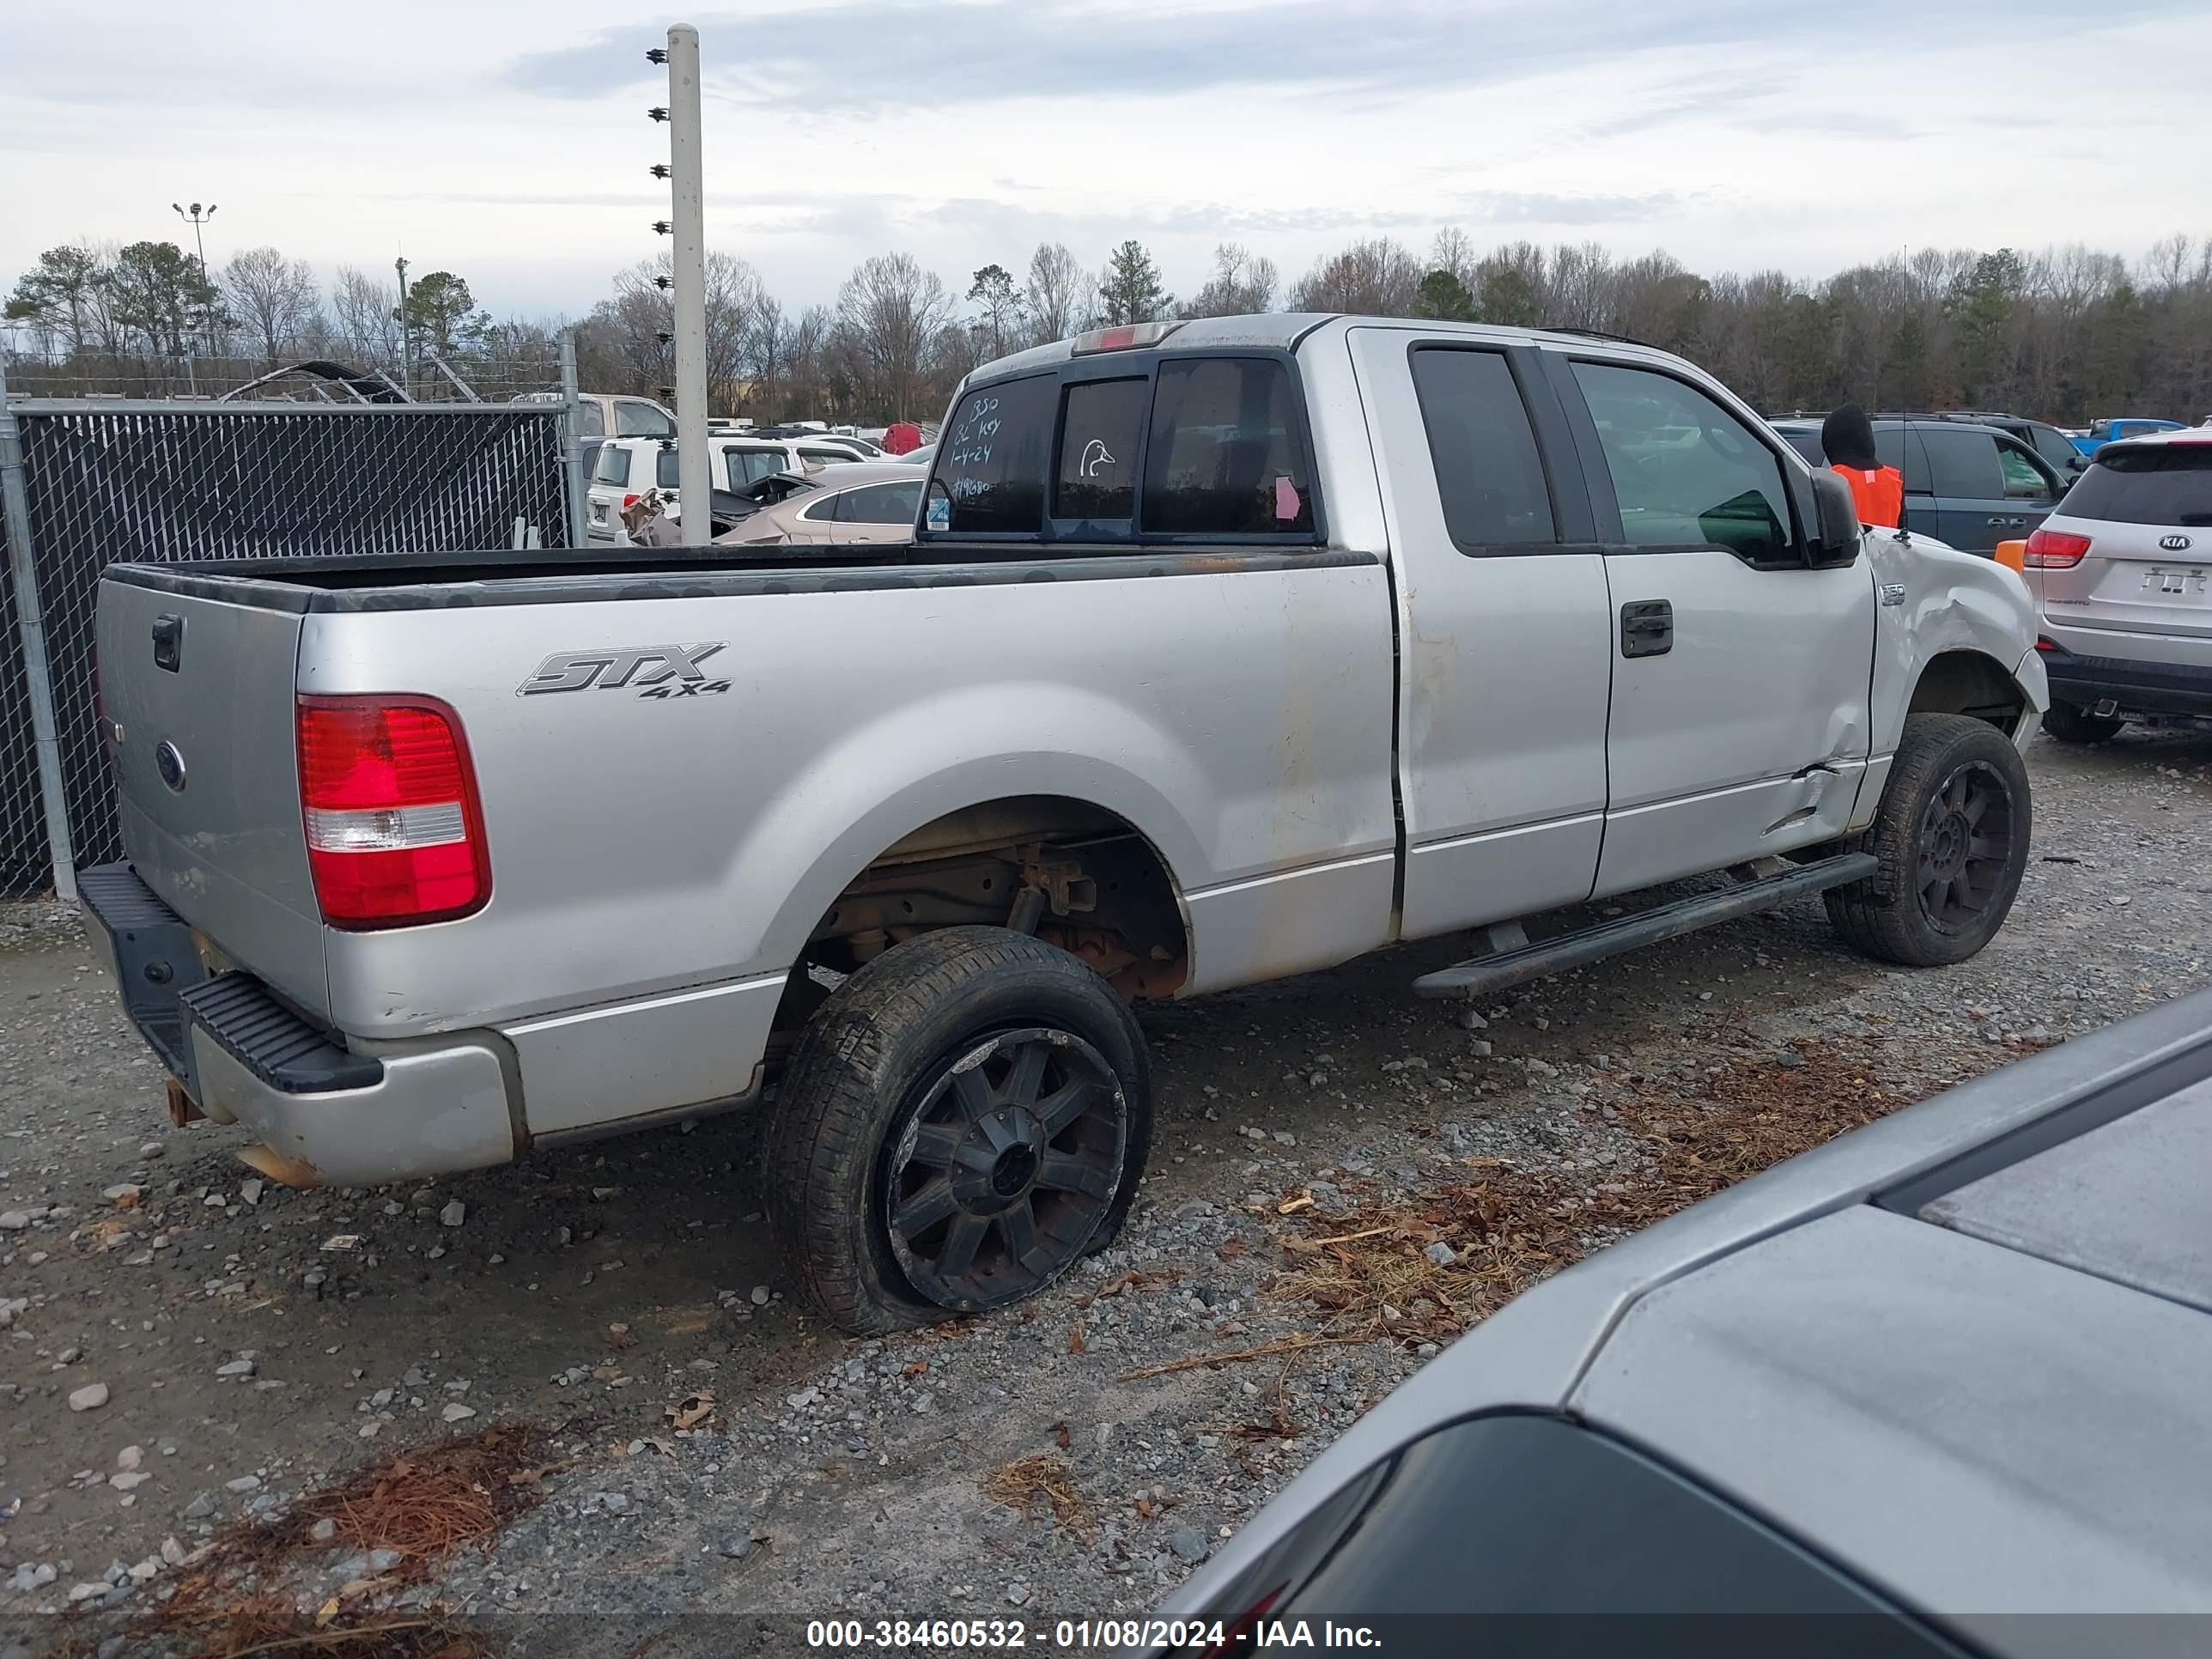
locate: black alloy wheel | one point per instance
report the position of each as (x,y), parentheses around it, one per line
(1965,846)
(1003,1165)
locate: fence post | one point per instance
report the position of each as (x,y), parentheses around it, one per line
(30,622)
(572,436)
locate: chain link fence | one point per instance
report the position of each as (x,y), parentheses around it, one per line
(160,482)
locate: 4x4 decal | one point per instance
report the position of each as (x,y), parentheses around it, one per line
(674,671)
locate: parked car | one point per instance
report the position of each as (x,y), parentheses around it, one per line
(1225,650)
(845,446)
(602,415)
(1968,486)
(2101,433)
(857,504)
(2054,444)
(922,456)
(2122,574)
(629,467)
(1941,1374)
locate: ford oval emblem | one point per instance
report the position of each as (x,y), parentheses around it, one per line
(2175,543)
(170,764)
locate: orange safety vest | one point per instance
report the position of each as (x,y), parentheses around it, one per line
(1879,494)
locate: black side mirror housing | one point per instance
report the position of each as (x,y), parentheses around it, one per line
(1835,531)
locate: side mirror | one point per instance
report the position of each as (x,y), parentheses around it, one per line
(1836,532)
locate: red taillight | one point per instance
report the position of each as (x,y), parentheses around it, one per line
(2054,549)
(628,502)
(395,833)
(1122,337)
(2044,642)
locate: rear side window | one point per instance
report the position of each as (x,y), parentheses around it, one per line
(614,466)
(752,465)
(1101,429)
(1226,452)
(636,420)
(590,422)
(1488,474)
(1686,472)
(2165,484)
(1963,462)
(990,471)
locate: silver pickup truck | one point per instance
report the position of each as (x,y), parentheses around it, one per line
(1222,651)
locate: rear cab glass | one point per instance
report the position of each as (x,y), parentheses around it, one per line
(2157,483)
(1130,446)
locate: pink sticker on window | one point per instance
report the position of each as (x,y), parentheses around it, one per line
(1286,501)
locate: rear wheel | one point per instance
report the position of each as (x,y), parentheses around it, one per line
(2069,722)
(963,1121)
(1952,835)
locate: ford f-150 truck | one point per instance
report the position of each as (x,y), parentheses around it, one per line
(1222,651)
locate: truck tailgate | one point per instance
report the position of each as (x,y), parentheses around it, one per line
(198,692)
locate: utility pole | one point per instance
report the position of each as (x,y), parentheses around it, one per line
(406,333)
(196,216)
(686,225)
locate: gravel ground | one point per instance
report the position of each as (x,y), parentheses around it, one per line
(183,1346)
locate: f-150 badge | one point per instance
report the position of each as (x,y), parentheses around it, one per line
(660,671)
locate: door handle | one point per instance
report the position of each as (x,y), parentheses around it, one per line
(1647,628)
(2000,523)
(169,642)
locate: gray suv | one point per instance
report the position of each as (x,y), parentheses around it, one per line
(1892,1396)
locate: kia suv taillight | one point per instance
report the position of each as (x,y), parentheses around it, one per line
(2054,549)
(395,832)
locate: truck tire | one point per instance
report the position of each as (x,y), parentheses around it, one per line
(2069,722)
(963,1120)
(1952,834)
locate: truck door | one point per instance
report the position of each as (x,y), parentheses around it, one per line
(1504,632)
(1739,712)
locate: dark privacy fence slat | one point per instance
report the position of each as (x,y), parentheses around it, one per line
(194,482)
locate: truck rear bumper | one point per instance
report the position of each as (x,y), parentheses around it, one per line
(332,1116)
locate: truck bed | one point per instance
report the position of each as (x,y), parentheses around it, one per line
(403,581)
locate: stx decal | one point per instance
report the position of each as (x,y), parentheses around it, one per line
(613,667)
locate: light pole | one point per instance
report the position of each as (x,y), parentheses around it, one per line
(406,333)
(198,217)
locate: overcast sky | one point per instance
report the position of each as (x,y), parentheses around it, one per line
(506,139)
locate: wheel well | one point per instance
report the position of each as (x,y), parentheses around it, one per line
(1968,683)
(1072,874)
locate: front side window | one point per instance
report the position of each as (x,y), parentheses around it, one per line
(1101,425)
(1963,462)
(1686,472)
(1488,474)
(989,473)
(665,469)
(1226,454)
(2023,478)
(614,466)
(639,420)
(883,503)
(2055,447)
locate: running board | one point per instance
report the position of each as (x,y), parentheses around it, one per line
(1501,970)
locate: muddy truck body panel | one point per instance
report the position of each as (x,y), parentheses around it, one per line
(1221,651)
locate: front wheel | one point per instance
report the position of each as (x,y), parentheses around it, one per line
(2069,722)
(963,1121)
(1952,835)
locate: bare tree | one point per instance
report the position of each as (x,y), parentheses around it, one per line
(272,296)
(1377,277)
(364,308)
(1242,283)
(889,312)
(1061,294)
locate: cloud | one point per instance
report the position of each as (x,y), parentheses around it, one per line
(838,60)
